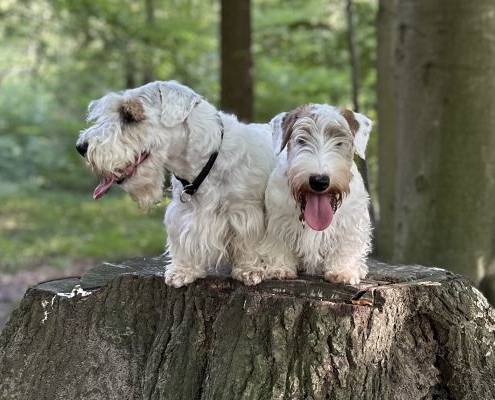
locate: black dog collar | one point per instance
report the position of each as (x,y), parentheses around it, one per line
(189,188)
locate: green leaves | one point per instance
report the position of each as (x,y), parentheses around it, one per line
(301,54)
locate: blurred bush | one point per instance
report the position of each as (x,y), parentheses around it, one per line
(37,139)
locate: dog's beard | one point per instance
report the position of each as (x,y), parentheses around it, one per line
(119,176)
(142,177)
(146,185)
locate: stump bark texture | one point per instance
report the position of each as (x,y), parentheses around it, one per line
(407,332)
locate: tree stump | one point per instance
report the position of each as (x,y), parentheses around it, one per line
(407,332)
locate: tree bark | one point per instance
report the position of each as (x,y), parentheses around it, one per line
(387,127)
(446,135)
(118,332)
(236,61)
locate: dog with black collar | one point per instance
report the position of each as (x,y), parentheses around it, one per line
(220,168)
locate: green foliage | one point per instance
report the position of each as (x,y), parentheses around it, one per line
(301,54)
(35,141)
(55,227)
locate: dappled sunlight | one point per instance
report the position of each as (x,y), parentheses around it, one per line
(8,223)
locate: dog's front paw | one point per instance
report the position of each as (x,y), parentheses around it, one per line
(346,277)
(249,277)
(177,277)
(281,272)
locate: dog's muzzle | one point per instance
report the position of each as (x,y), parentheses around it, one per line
(119,176)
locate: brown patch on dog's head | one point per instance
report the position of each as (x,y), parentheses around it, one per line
(131,111)
(351,120)
(289,120)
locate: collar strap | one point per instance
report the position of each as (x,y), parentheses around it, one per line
(190,188)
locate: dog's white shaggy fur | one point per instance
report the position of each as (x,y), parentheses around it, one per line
(316,202)
(138,133)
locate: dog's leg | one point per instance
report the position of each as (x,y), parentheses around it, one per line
(247,226)
(280,262)
(178,275)
(277,254)
(347,264)
(280,240)
(249,270)
(181,272)
(348,271)
(185,246)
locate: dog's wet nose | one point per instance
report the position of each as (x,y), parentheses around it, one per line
(82,148)
(319,183)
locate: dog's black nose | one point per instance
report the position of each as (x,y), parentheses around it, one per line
(319,183)
(82,148)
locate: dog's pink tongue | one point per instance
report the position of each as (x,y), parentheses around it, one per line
(103,188)
(318,212)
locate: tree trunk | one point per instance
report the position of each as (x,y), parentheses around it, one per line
(354,64)
(119,333)
(236,63)
(446,135)
(129,67)
(387,127)
(148,64)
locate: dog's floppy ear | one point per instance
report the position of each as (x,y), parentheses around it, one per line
(177,102)
(360,126)
(276,125)
(288,121)
(132,110)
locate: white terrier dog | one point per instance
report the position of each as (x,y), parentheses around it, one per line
(316,202)
(220,167)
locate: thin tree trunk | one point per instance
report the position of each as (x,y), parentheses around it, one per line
(120,333)
(236,61)
(387,127)
(129,67)
(148,65)
(354,54)
(354,60)
(445,212)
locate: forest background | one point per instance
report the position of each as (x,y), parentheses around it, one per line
(58,55)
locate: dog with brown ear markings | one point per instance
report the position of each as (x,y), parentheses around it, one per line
(316,201)
(220,167)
